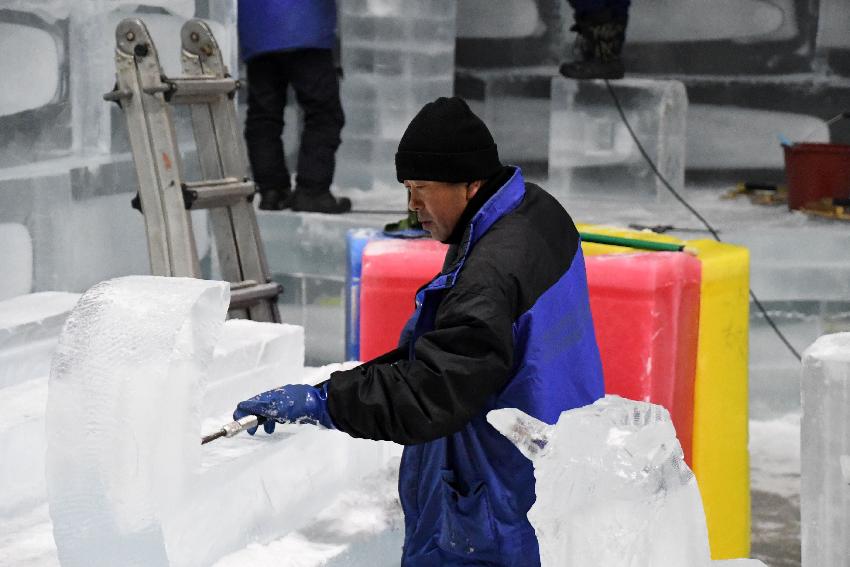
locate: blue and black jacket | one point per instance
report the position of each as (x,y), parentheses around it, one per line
(506,324)
(278,25)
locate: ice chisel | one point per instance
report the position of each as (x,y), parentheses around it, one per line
(232,428)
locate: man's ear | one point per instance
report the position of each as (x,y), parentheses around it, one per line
(472,188)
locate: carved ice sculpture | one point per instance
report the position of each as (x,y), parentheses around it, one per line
(128,482)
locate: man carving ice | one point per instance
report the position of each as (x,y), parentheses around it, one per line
(505,324)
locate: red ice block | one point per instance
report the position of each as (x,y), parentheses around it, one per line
(646,316)
(393,270)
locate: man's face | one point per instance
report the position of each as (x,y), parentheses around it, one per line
(438,205)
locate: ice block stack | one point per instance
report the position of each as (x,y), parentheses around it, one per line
(825,458)
(397,56)
(592,153)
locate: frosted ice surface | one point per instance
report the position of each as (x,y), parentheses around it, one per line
(745,138)
(29,327)
(128,482)
(591,153)
(251,357)
(504,18)
(363,526)
(612,489)
(825,442)
(16,259)
(31,52)
(695,20)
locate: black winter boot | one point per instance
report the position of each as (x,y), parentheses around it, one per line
(275,199)
(597,48)
(312,200)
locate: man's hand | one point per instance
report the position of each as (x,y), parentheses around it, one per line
(294,403)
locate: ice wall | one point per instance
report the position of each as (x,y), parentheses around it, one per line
(397,56)
(612,489)
(592,153)
(128,482)
(825,445)
(66,174)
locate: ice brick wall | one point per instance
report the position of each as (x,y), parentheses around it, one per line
(591,151)
(396,56)
(65,172)
(825,446)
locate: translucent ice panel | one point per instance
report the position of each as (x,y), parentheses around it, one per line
(591,152)
(397,56)
(251,357)
(32,53)
(127,479)
(613,489)
(16,260)
(825,446)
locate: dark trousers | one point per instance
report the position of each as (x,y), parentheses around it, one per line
(313,76)
(619,8)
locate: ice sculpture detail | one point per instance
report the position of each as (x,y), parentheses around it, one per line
(613,489)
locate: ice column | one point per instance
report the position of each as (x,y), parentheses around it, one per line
(592,153)
(825,458)
(397,56)
(613,489)
(128,482)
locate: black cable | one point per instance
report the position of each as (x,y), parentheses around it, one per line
(696,213)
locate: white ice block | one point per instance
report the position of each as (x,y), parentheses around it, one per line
(591,152)
(29,328)
(31,52)
(252,357)
(613,489)
(22,446)
(397,57)
(128,481)
(825,446)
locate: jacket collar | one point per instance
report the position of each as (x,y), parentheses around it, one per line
(505,199)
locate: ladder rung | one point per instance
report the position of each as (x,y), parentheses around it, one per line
(245,294)
(217,193)
(189,90)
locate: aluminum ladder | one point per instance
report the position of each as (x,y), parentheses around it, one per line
(145,94)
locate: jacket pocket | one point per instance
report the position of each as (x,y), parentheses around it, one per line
(467,527)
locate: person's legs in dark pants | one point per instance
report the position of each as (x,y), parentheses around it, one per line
(267,84)
(601,28)
(316,84)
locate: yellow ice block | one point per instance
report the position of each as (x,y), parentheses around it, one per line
(720,436)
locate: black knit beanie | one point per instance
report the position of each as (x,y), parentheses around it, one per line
(447,142)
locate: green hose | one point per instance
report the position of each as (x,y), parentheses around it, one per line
(631,242)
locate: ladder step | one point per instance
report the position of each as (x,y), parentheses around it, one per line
(216,193)
(191,90)
(248,293)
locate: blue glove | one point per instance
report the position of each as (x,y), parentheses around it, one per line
(294,403)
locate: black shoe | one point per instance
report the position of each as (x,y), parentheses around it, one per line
(597,48)
(319,202)
(275,200)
